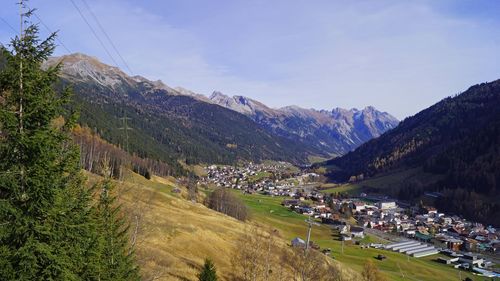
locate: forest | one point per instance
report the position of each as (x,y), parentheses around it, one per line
(457,138)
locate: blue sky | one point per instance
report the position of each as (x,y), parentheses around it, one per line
(399,56)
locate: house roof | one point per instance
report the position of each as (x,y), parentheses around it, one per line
(298,240)
(356,229)
(423,236)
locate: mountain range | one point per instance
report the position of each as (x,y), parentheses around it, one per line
(334,132)
(175,123)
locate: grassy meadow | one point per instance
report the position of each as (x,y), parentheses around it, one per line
(381,182)
(175,235)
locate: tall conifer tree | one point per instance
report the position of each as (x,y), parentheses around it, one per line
(46,226)
(116,259)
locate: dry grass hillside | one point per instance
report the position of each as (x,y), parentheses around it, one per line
(174,235)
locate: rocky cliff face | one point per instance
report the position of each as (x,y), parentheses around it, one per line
(335,132)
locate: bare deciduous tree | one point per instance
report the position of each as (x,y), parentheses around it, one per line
(255,254)
(93,149)
(222,200)
(259,257)
(371,272)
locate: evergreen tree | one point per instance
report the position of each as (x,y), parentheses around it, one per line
(46,226)
(208,272)
(116,261)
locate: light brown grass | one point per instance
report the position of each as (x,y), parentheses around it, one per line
(175,235)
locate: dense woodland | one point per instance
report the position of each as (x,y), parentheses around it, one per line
(458,138)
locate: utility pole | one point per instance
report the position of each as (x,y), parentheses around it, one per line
(21,69)
(310,223)
(125,129)
(21,126)
(401,271)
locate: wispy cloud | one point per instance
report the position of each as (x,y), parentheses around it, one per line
(399,56)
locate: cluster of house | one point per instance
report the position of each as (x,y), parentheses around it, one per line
(276,179)
(422,224)
(428,225)
(310,203)
(429,231)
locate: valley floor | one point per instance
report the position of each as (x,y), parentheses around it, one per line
(267,210)
(175,235)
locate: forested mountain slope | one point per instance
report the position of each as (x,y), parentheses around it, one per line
(165,124)
(458,138)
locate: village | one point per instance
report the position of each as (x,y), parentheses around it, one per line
(417,231)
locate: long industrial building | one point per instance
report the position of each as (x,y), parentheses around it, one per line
(425,253)
(413,248)
(406,249)
(390,246)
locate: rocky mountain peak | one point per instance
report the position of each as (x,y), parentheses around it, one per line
(186,92)
(337,131)
(218,96)
(240,104)
(84,68)
(80,67)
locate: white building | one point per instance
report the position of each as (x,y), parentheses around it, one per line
(384,205)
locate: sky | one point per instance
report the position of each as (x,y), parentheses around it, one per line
(399,56)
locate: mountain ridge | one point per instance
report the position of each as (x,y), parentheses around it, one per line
(310,128)
(337,131)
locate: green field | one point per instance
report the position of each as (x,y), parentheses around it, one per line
(342,188)
(381,182)
(268,211)
(258,176)
(316,159)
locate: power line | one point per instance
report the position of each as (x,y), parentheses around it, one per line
(93,31)
(9,25)
(124,119)
(106,34)
(57,38)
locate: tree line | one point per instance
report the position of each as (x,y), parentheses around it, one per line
(94,150)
